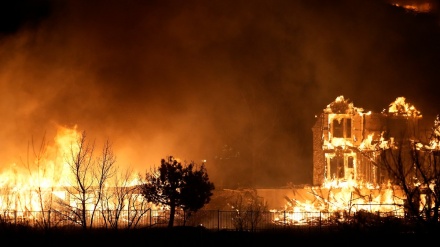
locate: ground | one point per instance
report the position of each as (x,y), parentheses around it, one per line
(194,236)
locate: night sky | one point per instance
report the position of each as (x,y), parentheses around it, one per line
(235,83)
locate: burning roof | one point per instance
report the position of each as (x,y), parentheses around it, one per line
(342,106)
(401,108)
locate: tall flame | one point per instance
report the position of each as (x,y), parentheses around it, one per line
(400,107)
(22,184)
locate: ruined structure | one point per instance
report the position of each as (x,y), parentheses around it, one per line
(345,140)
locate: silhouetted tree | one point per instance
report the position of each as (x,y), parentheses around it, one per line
(88,181)
(177,185)
(249,209)
(415,167)
(123,196)
(40,171)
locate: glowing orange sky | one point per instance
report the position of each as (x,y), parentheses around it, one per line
(164,78)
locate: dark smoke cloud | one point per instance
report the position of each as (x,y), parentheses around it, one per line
(234,82)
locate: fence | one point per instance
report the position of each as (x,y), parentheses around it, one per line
(210,219)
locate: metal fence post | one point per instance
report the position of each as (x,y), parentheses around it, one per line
(284,218)
(48,221)
(320,218)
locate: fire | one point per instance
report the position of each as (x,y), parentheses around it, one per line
(369,143)
(21,185)
(338,198)
(47,183)
(434,140)
(400,107)
(416,6)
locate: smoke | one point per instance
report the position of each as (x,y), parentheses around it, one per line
(235,83)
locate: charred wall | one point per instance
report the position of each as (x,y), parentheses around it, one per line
(318,152)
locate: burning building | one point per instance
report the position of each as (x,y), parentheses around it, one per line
(348,155)
(367,162)
(346,140)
